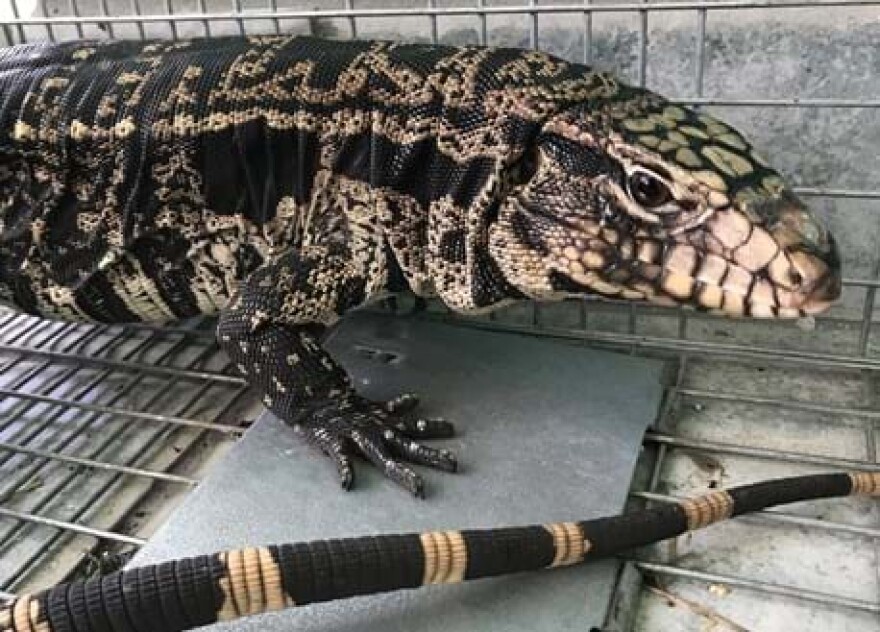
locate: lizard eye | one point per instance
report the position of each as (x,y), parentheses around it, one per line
(648,190)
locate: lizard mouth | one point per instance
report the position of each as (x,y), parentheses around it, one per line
(726,266)
(755,294)
(785,267)
(824,293)
(713,285)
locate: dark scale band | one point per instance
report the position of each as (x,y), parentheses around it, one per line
(59,611)
(95,607)
(297,574)
(401,561)
(760,495)
(187,592)
(322,571)
(170,597)
(138,614)
(149,606)
(506,551)
(608,536)
(77,606)
(111,595)
(206,573)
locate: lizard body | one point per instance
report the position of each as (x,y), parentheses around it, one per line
(282,181)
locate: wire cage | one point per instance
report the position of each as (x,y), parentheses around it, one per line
(746,400)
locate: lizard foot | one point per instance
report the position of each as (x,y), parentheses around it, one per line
(383,433)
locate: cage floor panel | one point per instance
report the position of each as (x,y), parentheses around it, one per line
(549,431)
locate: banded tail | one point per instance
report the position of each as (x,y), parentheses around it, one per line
(188,593)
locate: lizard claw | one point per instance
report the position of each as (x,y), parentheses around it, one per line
(421,428)
(352,425)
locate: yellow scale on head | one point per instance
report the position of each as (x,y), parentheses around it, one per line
(713,153)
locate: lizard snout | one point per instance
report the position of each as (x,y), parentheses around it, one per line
(822,283)
(815,260)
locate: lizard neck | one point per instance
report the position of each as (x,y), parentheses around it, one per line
(460,266)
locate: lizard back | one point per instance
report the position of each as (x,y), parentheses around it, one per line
(146,180)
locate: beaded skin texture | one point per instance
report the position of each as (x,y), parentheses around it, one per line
(281,181)
(188,593)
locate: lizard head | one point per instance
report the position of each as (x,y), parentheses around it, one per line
(640,199)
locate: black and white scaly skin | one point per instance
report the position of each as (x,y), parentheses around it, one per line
(282,181)
(188,593)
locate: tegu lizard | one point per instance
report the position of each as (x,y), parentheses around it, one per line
(279,182)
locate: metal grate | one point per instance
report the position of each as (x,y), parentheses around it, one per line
(746,400)
(92,419)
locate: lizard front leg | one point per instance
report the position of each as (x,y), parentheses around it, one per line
(272,332)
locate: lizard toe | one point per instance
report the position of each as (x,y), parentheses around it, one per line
(333,446)
(397,410)
(415,452)
(402,404)
(432,428)
(375,447)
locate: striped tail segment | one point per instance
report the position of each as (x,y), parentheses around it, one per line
(189,593)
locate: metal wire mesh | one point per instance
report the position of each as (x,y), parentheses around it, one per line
(92,418)
(746,400)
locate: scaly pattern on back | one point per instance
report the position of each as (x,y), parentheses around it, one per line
(145,181)
(282,181)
